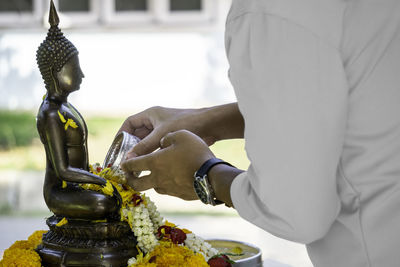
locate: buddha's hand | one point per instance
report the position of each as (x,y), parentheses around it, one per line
(108,187)
(154,123)
(172,167)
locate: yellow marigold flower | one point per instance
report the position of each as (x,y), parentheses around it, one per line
(186,231)
(125,195)
(168,254)
(122,217)
(162,231)
(143,197)
(20,257)
(22,253)
(130,219)
(98,221)
(63,120)
(22,244)
(62,222)
(196,260)
(36,238)
(126,192)
(108,189)
(93,187)
(170,224)
(70,122)
(105,173)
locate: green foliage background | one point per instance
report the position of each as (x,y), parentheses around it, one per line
(17,129)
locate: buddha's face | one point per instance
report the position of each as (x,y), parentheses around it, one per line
(70,76)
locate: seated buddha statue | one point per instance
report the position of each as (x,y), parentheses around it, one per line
(64,133)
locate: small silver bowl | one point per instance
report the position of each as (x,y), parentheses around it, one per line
(251,254)
(121,145)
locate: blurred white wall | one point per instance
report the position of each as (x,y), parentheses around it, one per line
(126,70)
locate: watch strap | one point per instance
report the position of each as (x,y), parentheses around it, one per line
(206,167)
(202,174)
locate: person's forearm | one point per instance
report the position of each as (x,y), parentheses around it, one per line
(221,177)
(222,122)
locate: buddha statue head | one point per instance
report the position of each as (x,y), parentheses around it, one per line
(57,59)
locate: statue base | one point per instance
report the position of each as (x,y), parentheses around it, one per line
(86,243)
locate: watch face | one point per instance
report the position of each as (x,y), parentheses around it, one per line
(200,189)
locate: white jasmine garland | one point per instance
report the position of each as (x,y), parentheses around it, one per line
(131,261)
(145,221)
(155,216)
(139,219)
(199,245)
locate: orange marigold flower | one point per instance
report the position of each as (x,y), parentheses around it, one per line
(36,238)
(20,257)
(23,244)
(22,253)
(168,254)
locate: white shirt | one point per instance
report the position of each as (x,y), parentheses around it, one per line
(318,84)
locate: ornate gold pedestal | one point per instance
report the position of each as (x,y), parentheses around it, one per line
(84,243)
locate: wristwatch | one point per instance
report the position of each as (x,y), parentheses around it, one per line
(202,185)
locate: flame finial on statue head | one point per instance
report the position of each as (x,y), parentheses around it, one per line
(53,16)
(55,50)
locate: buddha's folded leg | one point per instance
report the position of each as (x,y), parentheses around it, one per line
(75,202)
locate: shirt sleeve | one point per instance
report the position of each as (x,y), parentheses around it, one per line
(292,92)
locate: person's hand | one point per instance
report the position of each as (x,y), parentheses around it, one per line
(154,123)
(172,167)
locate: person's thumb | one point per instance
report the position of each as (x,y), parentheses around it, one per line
(168,140)
(147,144)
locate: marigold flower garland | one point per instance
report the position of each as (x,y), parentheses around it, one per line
(22,252)
(169,254)
(159,242)
(162,242)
